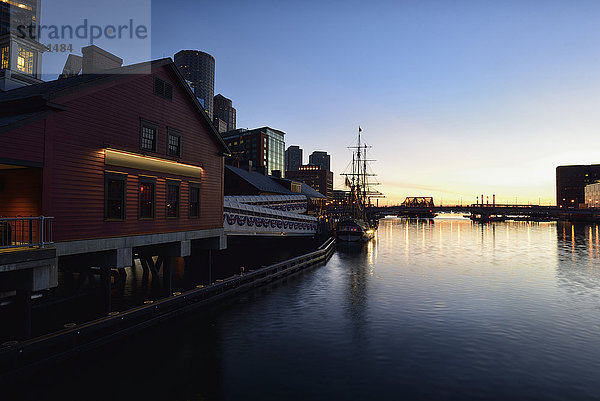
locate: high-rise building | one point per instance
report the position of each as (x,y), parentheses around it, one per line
(198,68)
(15,13)
(321,159)
(20,57)
(223,110)
(571,182)
(293,158)
(315,177)
(263,146)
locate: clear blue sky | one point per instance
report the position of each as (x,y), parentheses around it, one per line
(458,98)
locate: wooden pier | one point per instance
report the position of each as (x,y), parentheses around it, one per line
(18,357)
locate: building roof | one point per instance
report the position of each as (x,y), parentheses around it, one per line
(306,189)
(245,131)
(271,184)
(260,181)
(10,120)
(28,99)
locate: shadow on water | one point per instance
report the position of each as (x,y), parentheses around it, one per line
(180,360)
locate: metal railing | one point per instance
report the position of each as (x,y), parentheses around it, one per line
(25,232)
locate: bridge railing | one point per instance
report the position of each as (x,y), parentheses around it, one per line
(505,205)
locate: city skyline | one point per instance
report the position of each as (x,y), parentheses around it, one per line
(457,99)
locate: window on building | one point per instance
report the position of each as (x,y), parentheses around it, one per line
(174,143)
(115,190)
(172,199)
(194,200)
(163,88)
(148,134)
(146,196)
(5,58)
(25,60)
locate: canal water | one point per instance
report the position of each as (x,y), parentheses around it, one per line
(431,310)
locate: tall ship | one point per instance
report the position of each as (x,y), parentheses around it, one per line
(356,224)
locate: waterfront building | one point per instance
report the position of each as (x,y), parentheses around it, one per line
(320,158)
(224,111)
(20,58)
(120,178)
(264,147)
(592,195)
(198,68)
(571,182)
(316,177)
(293,158)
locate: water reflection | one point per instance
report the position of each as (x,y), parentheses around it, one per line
(358,260)
(579,258)
(429,310)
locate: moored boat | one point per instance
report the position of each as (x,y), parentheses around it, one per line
(354,230)
(356,225)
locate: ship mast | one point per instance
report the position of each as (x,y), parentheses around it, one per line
(360,187)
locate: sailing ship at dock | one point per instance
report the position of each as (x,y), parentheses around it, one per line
(355,224)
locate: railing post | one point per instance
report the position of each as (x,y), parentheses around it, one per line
(41,231)
(30,240)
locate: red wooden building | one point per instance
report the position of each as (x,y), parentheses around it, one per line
(127,163)
(84,150)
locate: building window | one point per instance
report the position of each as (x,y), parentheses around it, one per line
(25,60)
(173,143)
(146,196)
(148,133)
(194,201)
(5,58)
(115,190)
(172,199)
(163,88)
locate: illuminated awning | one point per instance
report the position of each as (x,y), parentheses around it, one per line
(120,158)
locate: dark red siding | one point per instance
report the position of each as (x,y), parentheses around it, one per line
(21,192)
(108,115)
(26,144)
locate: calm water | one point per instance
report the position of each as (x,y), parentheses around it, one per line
(430,310)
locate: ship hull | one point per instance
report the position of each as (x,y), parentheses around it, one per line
(352,230)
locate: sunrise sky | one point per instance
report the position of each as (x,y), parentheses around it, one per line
(457,98)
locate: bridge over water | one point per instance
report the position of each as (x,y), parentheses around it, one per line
(487,211)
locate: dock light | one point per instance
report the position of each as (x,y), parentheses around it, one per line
(176,293)
(115,313)
(199,286)
(148,302)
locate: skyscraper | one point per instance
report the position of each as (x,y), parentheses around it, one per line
(224,111)
(18,13)
(20,57)
(198,68)
(293,158)
(265,147)
(321,159)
